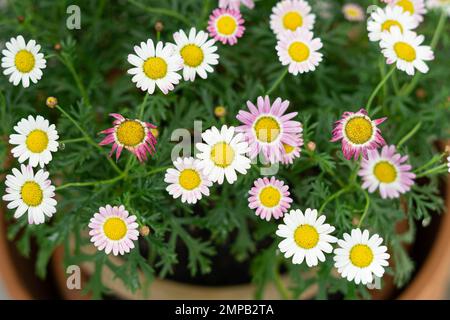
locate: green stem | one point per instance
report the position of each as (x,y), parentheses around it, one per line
(409,134)
(142,106)
(284,293)
(158,36)
(366,208)
(162,11)
(151,172)
(277,82)
(432,161)
(334,196)
(91,183)
(378,87)
(69,65)
(436,170)
(72,140)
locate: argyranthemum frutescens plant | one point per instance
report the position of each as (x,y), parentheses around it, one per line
(317,137)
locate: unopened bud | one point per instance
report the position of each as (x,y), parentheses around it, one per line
(220,111)
(159,26)
(21,19)
(311,146)
(144,231)
(57,47)
(421,93)
(51,102)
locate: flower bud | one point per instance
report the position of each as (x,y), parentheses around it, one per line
(311,146)
(220,111)
(51,102)
(159,26)
(144,231)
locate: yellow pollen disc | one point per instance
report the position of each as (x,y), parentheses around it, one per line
(385,172)
(267,129)
(361,255)
(407,5)
(155,68)
(292,20)
(405,51)
(298,51)
(192,55)
(358,130)
(37,141)
(306,236)
(24,61)
(388,24)
(270,197)
(189,179)
(226,25)
(222,154)
(115,228)
(130,133)
(32,194)
(353,12)
(288,148)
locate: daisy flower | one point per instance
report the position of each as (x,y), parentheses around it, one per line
(291,152)
(34,141)
(405,50)
(299,51)
(226,25)
(23,61)
(235,4)
(353,12)
(30,192)
(134,135)
(113,229)
(448,164)
(197,52)
(387,172)
(358,133)
(155,66)
(439,4)
(382,20)
(222,154)
(270,198)
(306,237)
(360,257)
(187,180)
(416,8)
(291,15)
(266,127)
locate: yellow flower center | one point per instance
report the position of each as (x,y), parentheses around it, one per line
(226,25)
(405,51)
(359,130)
(407,5)
(37,141)
(222,154)
(270,197)
(361,255)
(352,12)
(292,20)
(385,172)
(155,68)
(130,133)
(267,129)
(192,55)
(189,179)
(115,228)
(288,148)
(32,194)
(306,236)
(24,61)
(298,51)
(388,24)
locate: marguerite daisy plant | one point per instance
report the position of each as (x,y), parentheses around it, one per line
(382,20)
(405,49)
(35,140)
(187,180)
(222,154)
(291,15)
(22,61)
(416,8)
(269,198)
(358,133)
(235,4)
(155,66)
(353,12)
(291,152)
(386,171)
(132,134)
(197,52)
(306,237)
(226,25)
(299,51)
(359,257)
(113,229)
(30,192)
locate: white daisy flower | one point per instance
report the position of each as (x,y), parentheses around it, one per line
(222,154)
(382,20)
(360,257)
(405,50)
(155,66)
(353,12)
(26,191)
(35,141)
(23,61)
(291,15)
(416,8)
(197,52)
(439,4)
(187,180)
(307,237)
(299,51)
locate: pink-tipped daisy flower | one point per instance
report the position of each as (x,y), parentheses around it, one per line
(266,128)
(235,4)
(113,229)
(292,152)
(386,171)
(270,198)
(358,133)
(226,25)
(133,135)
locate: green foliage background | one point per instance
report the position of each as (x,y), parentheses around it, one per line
(88,76)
